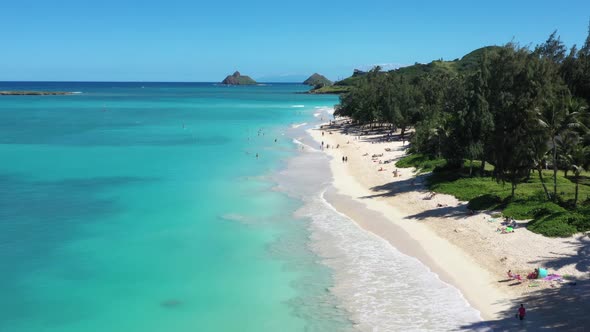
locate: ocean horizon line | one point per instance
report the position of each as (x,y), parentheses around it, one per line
(148,82)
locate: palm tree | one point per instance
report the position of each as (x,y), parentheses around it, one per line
(439,134)
(539,149)
(580,158)
(557,119)
(566,143)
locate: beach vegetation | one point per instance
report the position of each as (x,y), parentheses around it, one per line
(329,89)
(421,162)
(530,202)
(504,128)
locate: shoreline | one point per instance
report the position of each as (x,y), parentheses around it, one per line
(415,240)
(406,223)
(378,224)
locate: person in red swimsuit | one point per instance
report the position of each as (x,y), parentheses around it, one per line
(521,312)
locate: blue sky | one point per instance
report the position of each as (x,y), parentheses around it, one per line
(178,40)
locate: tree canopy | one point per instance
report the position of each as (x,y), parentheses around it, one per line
(515,108)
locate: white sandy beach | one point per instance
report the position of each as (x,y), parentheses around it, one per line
(463,249)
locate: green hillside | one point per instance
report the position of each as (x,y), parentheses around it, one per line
(466,64)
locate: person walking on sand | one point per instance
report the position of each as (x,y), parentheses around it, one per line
(521,312)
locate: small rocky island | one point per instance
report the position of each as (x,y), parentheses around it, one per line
(238,79)
(316,80)
(35,93)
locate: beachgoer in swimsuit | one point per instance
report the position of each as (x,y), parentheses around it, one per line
(521,312)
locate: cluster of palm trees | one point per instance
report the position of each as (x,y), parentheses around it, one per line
(518,109)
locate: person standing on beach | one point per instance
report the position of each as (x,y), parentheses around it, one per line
(521,312)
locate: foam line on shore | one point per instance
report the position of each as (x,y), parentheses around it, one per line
(373,280)
(451,264)
(386,247)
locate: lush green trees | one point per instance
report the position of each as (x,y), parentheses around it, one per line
(476,119)
(560,119)
(575,70)
(515,85)
(519,110)
(580,160)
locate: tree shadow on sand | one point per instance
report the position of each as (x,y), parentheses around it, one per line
(563,308)
(400,187)
(581,260)
(455,212)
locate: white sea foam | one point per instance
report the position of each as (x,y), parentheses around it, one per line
(297,125)
(381,288)
(329,110)
(297,106)
(326,109)
(77,92)
(307,147)
(384,289)
(323,111)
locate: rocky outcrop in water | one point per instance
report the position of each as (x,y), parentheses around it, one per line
(317,80)
(238,79)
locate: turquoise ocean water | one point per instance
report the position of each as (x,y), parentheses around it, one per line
(143,207)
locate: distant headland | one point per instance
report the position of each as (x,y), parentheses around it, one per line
(238,79)
(35,93)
